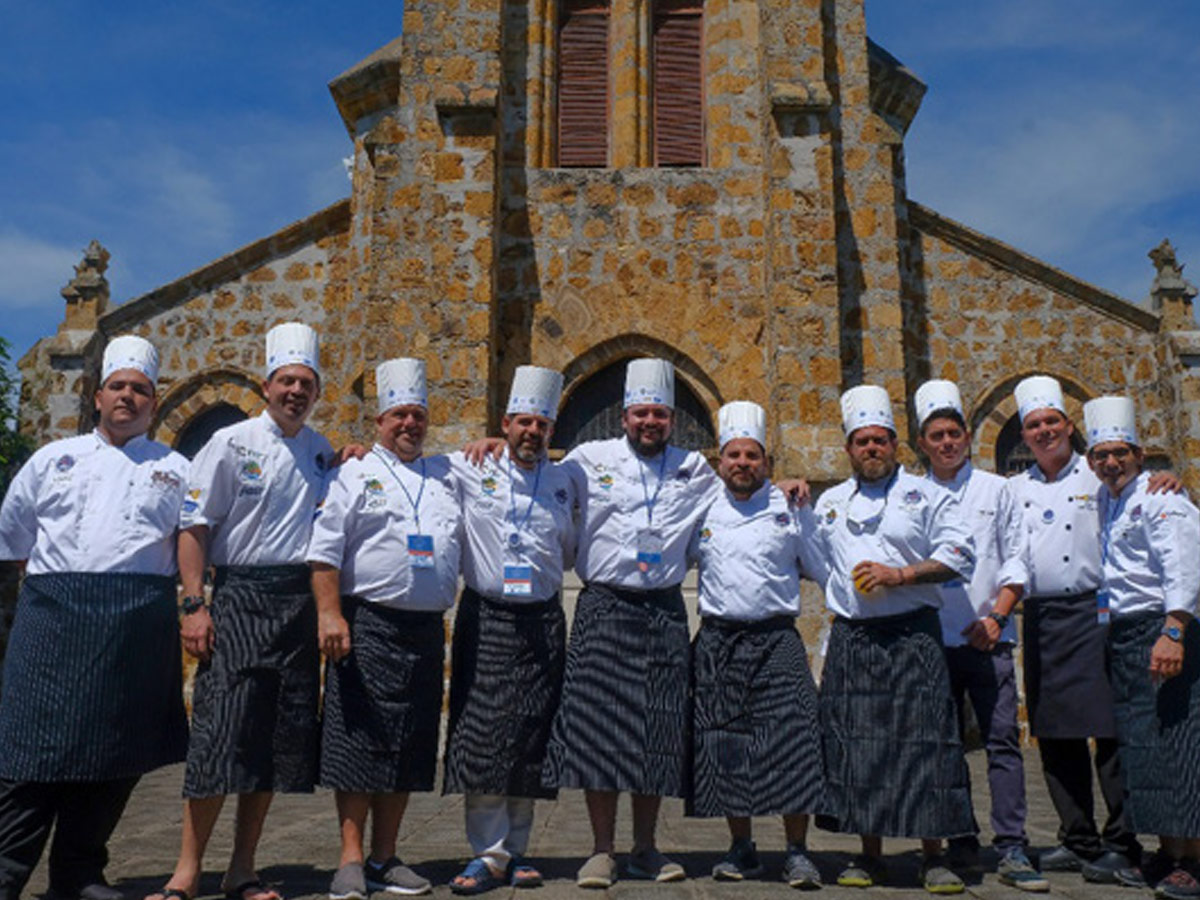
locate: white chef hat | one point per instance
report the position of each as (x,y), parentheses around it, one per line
(867,404)
(1110,419)
(742,419)
(934,396)
(649,381)
(292,343)
(535,391)
(1039,392)
(401,382)
(129,351)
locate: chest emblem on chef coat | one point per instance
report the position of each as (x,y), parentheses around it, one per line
(1136,512)
(1047,516)
(488,485)
(1085,501)
(167,481)
(64,463)
(913,497)
(373,493)
(605,481)
(705,534)
(830,516)
(251,472)
(782,520)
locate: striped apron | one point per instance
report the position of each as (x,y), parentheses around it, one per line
(93,683)
(757,747)
(506,679)
(1158,729)
(623,722)
(894,763)
(254,705)
(383,701)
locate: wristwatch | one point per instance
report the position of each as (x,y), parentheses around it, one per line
(191,603)
(999,618)
(1174,632)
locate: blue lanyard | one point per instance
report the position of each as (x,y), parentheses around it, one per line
(512,496)
(1106,534)
(650,501)
(415,504)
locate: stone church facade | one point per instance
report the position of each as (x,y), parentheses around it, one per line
(576,182)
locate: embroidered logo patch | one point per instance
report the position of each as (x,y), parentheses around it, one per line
(1136,512)
(830,516)
(64,462)
(373,486)
(488,485)
(782,519)
(166,480)
(913,497)
(705,534)
(251,471)
(605,481)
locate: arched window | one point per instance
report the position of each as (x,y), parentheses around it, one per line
(593,412)
(195,434)
(1013,456)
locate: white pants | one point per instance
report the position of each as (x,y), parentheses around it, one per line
(498,827)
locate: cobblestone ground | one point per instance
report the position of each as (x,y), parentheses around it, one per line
(299,849)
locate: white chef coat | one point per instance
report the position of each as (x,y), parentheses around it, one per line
(899,522)
(621,494)
(751,554)
(991,515)
(1150,550)
(1062,525)
(82,505)
(498,493)
(257,491)
(363,527)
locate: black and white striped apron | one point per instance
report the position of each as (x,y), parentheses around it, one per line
(757,740)
(383,701)
(623,722)
(93,681)
(505,683)
(894,763)
(1067,692)
(1158,729)
(254,704)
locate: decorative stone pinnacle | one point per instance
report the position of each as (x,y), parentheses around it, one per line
(1169,280)
(89,287)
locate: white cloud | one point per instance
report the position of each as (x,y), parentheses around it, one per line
(34,272)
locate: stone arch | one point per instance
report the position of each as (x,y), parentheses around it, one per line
(201,393)
(995,407)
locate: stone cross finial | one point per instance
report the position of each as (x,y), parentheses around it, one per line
(87,293)
(1171,294)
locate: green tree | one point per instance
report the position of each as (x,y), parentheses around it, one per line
(14,446)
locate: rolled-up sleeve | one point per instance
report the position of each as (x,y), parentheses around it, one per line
(328,542)
(951,542)
(18,515)
(1014,540)
(1174,532)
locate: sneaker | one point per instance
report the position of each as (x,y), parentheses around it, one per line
(1180,884)
(938,878)
(1103,869)
(395,877)
(651,865)
(799,871)
(348,883)
(1017,871)
(863,872)
(1061,859)
(739,863)
(600,871)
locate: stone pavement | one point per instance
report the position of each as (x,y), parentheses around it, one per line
(299,849)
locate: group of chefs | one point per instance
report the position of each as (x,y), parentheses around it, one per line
(357,555)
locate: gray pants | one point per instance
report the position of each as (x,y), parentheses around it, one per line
(989,680)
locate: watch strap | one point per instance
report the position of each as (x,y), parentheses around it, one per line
(191,603)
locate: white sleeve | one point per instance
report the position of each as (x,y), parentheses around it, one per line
(18,515)
(1013,537)
(211,485)
(1174,533)
(951,542)
(810,549)
(334,517)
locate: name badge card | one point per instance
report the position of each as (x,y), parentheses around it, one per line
(649,549)
(518,581)
(1102,613)
(420,551)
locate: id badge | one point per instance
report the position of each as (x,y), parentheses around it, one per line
(1102,613)
(649,549)
(420,551)
(518,581)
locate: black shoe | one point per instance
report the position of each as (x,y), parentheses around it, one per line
(962,855)
(1103,869)
(1060,859)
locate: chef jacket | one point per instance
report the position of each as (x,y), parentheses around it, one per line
(751,554)
(81,504)
(995,523)
(498,503)
(897,522)
(363,527)
(1150,550)
(622,494)
(257,491)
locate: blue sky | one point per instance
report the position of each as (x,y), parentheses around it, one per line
(176,132)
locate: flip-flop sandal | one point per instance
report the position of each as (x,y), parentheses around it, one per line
(253,884)
(479,872)
(523,875)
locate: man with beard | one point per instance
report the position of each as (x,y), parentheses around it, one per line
(92,678)
(385,556)
(509,634)
(757,743)
(894,759)
(253,492)
(976,628)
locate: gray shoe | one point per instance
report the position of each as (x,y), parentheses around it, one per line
(938,878)
(348,883)
(395,877)
(739,863)
(1015,870)
(799,871)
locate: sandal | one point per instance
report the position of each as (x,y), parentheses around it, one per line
(479,872)
(252,884)
(523,875)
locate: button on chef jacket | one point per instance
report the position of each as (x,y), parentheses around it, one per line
(991,515)
(491,495)
(751,554)
(613,509)
(1062,524)
(1152,563)
(363,527)
(82,505)
(257,491)
(919,521)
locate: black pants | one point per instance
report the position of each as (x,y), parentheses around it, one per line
(86,814)
(1067,764)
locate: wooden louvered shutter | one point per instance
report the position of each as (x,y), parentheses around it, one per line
(583,83)
(678,83)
